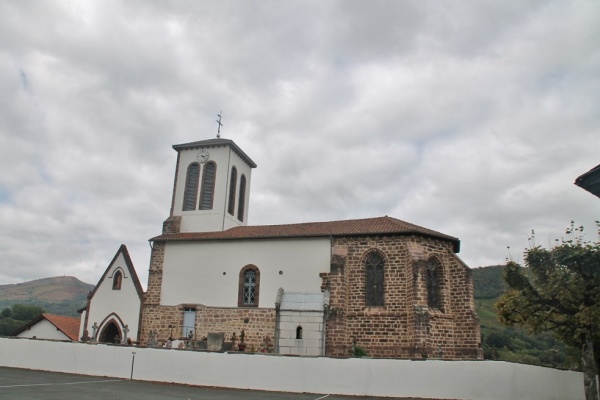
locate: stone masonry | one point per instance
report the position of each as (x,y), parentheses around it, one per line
(405,327)
(167,321)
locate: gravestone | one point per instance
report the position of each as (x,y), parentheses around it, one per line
(215,341)
(125,332)
(94,332)
(152,340)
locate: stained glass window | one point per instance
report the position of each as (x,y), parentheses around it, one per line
(374,280)
(433,284)
(249,295)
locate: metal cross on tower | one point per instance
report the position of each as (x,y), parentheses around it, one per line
(220,124)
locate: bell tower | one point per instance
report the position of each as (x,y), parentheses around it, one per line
(211,191)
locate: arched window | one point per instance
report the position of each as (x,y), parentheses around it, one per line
(191,187)
(117,279)
(299,332)
(232,186)
(207,191)
(374,280)
(242,198)
(433,283)
(249,286)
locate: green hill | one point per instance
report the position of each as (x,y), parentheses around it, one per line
(62,295)
(488,282)
(505,343)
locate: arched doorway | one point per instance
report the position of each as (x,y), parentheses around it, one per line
(110,333)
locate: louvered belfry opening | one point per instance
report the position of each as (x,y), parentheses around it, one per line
(191,187)
(232,186)
(208,186)
(242,198)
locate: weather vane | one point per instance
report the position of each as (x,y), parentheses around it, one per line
(220,124)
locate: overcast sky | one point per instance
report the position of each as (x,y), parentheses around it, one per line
(469,118)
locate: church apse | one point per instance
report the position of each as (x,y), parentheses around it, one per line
(405,324)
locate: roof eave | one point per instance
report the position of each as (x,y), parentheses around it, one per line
(172,238)
(590,181)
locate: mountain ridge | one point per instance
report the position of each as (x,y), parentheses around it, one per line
(62,295)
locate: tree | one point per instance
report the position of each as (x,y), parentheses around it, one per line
(6,313)
(26,312)
(8,326)
(559,292)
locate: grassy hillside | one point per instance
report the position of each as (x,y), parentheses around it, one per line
(62,295)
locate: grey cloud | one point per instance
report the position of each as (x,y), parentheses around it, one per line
(471,119)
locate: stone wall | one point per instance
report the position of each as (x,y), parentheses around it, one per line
(257,323)
(404,327)
(153,317)
(167,321)
(155,272)
(172,225)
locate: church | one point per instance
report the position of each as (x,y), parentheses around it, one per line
(392,288)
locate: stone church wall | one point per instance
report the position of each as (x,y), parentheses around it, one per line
(257,323)
(404,327)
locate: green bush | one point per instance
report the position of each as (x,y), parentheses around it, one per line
(360,352)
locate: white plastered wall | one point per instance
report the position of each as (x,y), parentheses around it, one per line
(312,323)
(82,323)
(208,272)
(216,219)
(44,329)
(434,379)
(124,302)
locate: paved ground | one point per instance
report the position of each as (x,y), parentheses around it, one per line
(27,384)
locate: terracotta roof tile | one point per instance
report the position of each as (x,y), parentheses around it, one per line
(354,227)
(67,325)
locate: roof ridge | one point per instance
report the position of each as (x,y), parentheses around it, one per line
(322,222)
(399,221)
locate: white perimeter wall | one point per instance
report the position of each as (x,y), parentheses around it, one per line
(193,271)
(480,380)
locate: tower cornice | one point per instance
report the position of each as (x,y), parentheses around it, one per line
(216,143)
